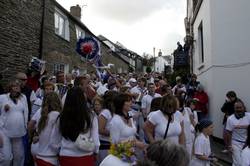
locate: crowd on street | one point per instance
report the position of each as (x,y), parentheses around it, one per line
(112,119)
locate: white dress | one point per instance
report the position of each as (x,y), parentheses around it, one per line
(201,147)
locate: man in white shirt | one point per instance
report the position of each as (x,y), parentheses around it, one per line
(147,99)
(237,131)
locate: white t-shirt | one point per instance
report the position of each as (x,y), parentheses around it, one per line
(46,137)
(146,101)
(158,119)
(15,120)
(238,127)
(120,131)
(108,116)
(245,156)
(201,147)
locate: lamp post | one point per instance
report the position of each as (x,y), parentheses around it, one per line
(154,57)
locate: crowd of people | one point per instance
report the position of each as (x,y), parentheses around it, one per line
(76,120)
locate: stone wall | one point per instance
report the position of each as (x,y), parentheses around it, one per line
(20,23)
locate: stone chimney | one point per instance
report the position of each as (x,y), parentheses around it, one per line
(76,11)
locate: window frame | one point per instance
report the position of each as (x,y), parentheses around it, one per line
(58,15)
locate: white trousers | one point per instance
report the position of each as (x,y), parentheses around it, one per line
(236,155)
(17,151)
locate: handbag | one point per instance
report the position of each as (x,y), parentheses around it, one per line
(85,142)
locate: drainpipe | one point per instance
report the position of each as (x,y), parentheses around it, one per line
(41,31)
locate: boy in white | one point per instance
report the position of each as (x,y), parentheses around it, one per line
(237,131)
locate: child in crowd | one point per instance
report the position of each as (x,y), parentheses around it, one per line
(202,148)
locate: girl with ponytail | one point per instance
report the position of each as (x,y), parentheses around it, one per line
(46,119)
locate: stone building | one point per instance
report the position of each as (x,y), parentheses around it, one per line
(46,30)
(20,32)
(60,41)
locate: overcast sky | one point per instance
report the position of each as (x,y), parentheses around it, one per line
(139,25)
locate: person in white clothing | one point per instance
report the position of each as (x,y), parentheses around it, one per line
(245,154)
(104,123)
(47,87)
(165,123)
(147,99)
(46,119)
(14,115)
(202,148)
(122,126)
(236,131)
(76,121)
(188,126)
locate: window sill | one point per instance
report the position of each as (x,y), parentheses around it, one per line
(61,37)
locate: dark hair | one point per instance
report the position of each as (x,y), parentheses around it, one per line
(166,89)
(76,116)
(204,123)
(108,100)
(119,102)
(78,80)
(231,94)
(149,84)
(168,104)
(248,137)
(165,153)
(155,104)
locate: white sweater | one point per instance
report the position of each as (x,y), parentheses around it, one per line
(14,121)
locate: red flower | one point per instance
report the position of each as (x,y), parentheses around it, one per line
(86,48)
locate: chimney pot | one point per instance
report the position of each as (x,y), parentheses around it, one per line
(76,11)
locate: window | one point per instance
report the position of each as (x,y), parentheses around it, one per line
(60,67)
(79,33)
(201,43)
(61,25)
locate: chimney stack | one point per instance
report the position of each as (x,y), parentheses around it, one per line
(76,11)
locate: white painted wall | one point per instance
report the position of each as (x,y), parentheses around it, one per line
(160,64)
(226,25)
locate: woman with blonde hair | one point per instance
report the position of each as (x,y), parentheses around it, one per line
(46,118)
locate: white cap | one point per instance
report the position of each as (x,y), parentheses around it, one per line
(132,80)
